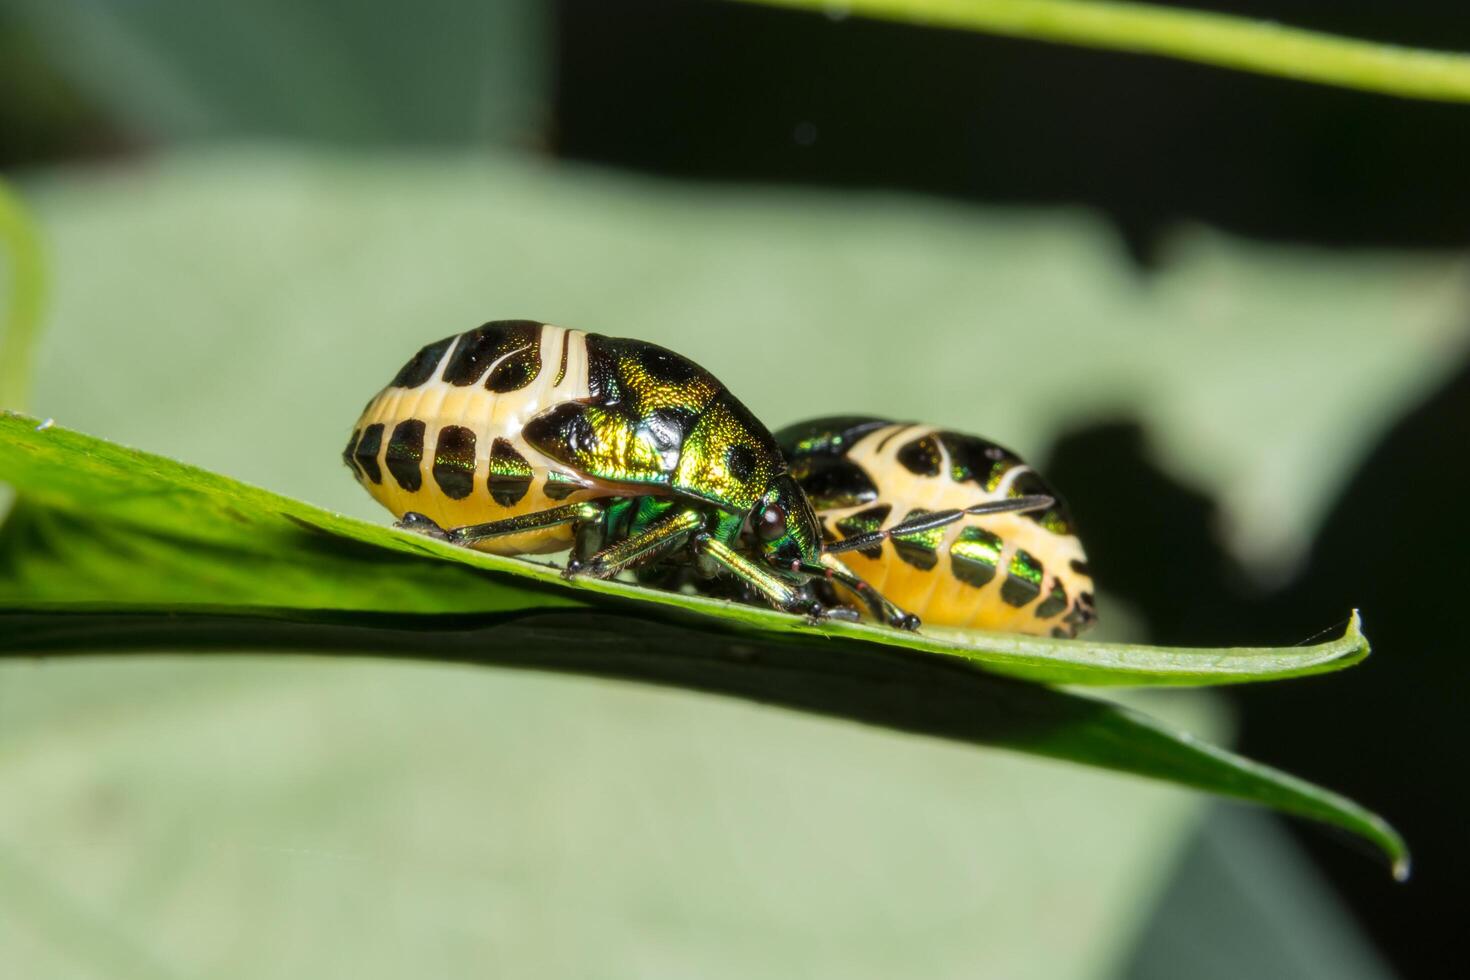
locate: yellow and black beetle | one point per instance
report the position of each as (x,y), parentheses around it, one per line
(1021,572)
(520,437)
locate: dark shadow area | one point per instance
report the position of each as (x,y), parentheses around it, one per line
(719,90)
(43,115)
(1392,733)
(1142,526)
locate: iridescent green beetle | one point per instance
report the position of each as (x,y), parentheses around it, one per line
(520,437)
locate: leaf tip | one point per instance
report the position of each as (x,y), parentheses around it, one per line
(1395,848)
(1354,643)
(1402,867)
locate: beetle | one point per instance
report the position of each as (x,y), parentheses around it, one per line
(1021,571)
(520,437)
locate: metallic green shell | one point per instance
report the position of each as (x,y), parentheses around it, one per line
(655,418)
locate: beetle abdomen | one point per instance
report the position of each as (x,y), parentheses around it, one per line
(445,437)
(1024,573)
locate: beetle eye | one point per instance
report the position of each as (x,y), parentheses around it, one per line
(770,524)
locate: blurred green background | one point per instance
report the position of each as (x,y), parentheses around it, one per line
(1228,313)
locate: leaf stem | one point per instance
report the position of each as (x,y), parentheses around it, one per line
(1263,47)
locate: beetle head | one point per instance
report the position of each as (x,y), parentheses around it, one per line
(785,526)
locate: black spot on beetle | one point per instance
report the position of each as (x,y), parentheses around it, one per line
(1056,518)
(974,555)
(454,461)
(351,445)
(740,461)
(666,366)
(833,435)
(975,459)
(604,356)
(920,457)
(642,377)
(831,482)
(366,453)
(916,552)
(513,347)
(1082,612)
(563,432)
(510,474)
(421,366)
(558,487)
(919,549)
(514,373)
(405,452)
(1054,604)
(1023,581)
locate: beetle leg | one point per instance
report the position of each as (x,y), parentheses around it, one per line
(591,538)
(777,590)
(846,614)
(588,510)
(660,537)
(882,608)
(423,524)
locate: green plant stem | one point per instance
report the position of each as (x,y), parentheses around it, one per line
(21,247)
(1208,38)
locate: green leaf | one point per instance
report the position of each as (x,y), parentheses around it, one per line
(232,567)
(106,510)
(1190,35)
(22,270)
(860,682)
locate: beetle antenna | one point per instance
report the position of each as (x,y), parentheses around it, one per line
(941,518)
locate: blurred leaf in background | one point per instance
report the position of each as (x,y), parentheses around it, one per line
(47,115)
(362,72)
(295,818)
